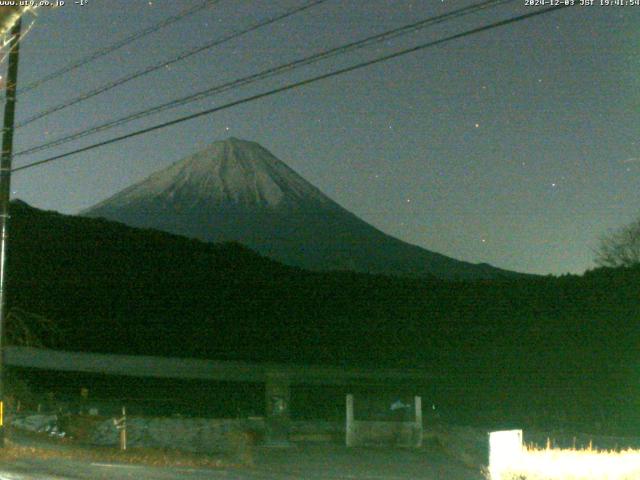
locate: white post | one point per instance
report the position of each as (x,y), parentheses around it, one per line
(418,428)
(123,430)
(350,427)
(505,451)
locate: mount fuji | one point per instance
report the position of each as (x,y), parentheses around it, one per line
(236,190)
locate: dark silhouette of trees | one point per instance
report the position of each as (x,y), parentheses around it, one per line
(620,248)
(569,342)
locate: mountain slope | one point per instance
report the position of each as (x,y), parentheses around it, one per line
(238,191)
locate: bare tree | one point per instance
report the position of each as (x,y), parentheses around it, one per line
(620,248)
(30,330)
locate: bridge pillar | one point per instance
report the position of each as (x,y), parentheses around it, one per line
(278,417)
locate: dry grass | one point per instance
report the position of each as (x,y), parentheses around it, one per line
(47,449)
(571,464)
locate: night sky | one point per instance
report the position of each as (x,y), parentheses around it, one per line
(518,146)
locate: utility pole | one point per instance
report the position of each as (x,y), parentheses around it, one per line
(5,194)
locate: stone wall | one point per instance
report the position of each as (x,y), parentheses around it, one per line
(188,434)
(206,435)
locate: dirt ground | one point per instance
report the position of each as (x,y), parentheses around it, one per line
(313,462)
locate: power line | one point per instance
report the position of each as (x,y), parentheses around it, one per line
(267,74)
(182,56)
(118,45)
(292,86)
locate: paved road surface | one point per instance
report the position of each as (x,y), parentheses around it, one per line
(311,462)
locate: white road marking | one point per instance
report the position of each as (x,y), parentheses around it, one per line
(116,465)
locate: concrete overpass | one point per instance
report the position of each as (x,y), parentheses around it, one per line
(198,369)
(278,378)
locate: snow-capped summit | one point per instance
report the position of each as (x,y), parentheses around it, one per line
(235,190)
(233,172)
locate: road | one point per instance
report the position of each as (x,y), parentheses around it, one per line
(309,462)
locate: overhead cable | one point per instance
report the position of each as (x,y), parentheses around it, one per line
(292,86)
(278,70)
(165,63)
(118,45)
